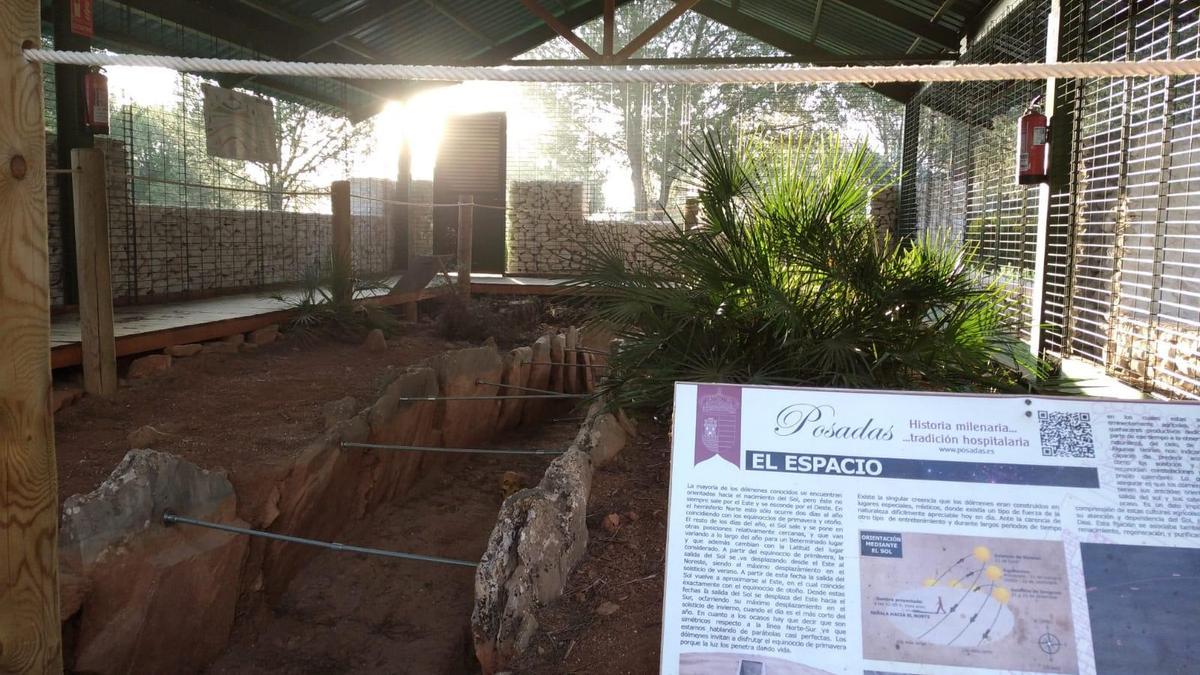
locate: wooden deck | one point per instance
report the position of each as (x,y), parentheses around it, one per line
(146,328)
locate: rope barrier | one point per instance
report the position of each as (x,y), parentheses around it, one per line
(479,451)
(202,186)
(170,519)
(806,75)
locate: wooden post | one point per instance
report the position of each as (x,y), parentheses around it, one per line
(95,280)
(339,194)
(466,220)
(30,632)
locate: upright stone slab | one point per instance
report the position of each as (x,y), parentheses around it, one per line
(539,378)
(571,372)
(463,373)
(558,344)
(516,374)
(137,574)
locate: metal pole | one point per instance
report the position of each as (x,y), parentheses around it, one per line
(170,518)
(472,451)
(515,387)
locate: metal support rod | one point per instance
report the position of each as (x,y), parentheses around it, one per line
(170,518)
(515,387)
(501,397)
(469,451)
(591,351)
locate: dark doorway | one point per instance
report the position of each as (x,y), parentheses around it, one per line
(471,161)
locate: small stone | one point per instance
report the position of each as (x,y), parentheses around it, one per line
(247,347)
(339,410)
(235,339)
(631,516)
(264,336)
(66,396)
(183,351)
(376,342)
(147,366)
(144,437)
(607,608)
(611,522)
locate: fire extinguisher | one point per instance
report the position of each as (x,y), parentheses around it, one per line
(1033,136)
(95,101)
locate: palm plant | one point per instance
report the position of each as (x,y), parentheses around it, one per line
(787,281)
(326,302)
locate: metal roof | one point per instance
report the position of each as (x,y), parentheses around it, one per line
(496,31)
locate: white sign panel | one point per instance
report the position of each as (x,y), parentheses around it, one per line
(828,531)
(239,126)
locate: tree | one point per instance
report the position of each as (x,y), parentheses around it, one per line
(651,124)
(167,147)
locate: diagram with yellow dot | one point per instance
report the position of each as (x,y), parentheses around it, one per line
(981,602)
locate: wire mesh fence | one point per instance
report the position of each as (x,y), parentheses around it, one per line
(1122,244)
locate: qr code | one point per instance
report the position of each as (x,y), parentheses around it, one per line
(1066,434)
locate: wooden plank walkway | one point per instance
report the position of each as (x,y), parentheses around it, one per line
(146,328)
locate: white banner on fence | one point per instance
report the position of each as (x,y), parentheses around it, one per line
(239,126)
(829,531)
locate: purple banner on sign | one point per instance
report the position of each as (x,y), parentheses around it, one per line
(719,423)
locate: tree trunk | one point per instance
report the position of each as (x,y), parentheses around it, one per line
(634,148)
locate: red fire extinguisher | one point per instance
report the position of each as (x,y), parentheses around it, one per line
(95,101)
(1033,136)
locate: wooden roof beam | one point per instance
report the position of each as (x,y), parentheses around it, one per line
(655,28)
(565,31)
(790,43)
(537,34)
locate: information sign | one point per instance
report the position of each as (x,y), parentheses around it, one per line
(831,531)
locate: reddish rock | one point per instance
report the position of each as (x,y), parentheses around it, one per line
(607,608)
(533,410)
(66,396)
(516,373)
(148,366)
(571,384)
(462,373)
(264,336)
(235,339)
(183,351)
(611,522)
(247,347)
(558,381)
(376,341)
(151,599)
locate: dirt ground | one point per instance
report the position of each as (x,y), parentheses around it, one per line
(222,410)
(583,632)
(366,614)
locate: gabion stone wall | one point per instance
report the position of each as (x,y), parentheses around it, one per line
(548,234)
(420,217)
(883,210)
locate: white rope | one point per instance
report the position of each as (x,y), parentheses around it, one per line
(808,75)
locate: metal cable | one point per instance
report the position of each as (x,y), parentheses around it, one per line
(472,451)
(170,518)
(808,75)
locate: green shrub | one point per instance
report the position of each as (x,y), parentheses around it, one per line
(787,281)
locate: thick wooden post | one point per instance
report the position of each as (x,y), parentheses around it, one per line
(29,623)
(339,194)
(95,279)
(466,225)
